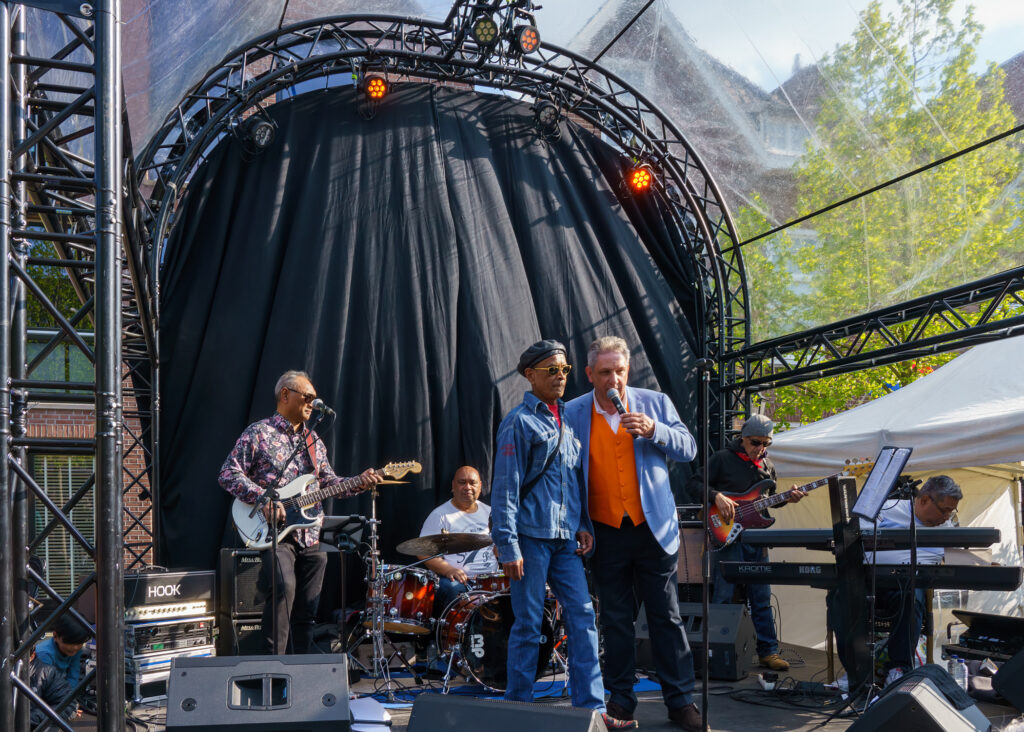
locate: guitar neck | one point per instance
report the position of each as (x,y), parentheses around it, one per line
(313,497)
(780,498)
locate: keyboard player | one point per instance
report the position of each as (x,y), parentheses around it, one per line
(934,505)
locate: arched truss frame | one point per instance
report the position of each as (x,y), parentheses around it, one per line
(409,49)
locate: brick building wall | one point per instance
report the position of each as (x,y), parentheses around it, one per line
(61,421)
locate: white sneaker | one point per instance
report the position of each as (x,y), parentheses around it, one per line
(895,674)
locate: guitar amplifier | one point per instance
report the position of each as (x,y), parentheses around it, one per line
(240,637)
(239,577)
(166,595)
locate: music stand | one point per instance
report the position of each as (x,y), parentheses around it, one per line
(880,481)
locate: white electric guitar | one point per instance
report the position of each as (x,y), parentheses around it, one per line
(300,507)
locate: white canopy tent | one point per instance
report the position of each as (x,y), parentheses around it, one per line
(965,420)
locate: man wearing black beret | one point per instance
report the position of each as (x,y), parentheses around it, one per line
(541,529)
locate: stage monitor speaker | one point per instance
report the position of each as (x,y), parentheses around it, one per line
(730,636)
(1009,681)
(917,704)
(442,712)
(239,574)
(259,694)
(240,636)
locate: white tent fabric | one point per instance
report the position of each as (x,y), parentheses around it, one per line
(968,413)
(966,420)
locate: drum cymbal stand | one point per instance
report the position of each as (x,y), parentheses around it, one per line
(377,611)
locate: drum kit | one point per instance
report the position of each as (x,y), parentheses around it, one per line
(471,633)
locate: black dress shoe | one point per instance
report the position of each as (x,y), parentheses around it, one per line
(619,712)
(687,718)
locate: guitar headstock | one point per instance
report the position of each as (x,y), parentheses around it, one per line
(399,470)
(857,468)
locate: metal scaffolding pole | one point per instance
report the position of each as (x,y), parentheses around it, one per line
(6,578)
(109,499)
(18,360)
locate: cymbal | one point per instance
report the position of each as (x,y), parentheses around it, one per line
(444,543)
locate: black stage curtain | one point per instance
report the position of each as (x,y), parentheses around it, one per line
(405,261)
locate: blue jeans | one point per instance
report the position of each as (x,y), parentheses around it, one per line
(553,561)
(759,597)
(445,592)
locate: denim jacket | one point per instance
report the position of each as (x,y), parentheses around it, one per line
(552,509)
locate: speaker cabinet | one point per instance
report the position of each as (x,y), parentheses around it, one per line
(731,639)
(1009,681)
(917,704)
(240,636)
(239,574)
(259,694)
(441,712)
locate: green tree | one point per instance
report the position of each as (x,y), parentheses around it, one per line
(903,95)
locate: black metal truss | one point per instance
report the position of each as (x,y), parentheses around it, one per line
(70,212)
(973,313)
(412,49)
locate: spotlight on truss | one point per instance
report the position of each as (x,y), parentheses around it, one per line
(484,30)
(640,179)
(525,39)
(256,133)
(546,116)
(375,86)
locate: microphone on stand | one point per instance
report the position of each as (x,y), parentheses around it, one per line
(318,405)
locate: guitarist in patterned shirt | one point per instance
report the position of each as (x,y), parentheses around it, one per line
(256,463)
(735,469)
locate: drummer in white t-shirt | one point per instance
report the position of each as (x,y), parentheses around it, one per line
(462,514)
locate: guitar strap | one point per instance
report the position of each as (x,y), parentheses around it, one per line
(311,450)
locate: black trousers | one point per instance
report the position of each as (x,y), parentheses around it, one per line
(628,562)
(299,580)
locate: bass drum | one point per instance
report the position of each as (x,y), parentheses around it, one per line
(476,627)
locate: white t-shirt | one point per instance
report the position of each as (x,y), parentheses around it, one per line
(896,515)
(449,518)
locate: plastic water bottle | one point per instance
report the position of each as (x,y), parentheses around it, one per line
(951,664)
(961,673)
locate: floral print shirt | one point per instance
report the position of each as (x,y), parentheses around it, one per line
(259,456)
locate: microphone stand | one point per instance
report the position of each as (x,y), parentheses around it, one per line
(705,365)
(270,495)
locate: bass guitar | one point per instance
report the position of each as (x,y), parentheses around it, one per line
(750,505)
(300,506)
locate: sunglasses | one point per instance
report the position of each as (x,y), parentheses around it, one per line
(759,443)
(564,370)
(307,398)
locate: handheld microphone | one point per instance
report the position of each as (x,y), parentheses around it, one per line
(318,405)
(613,396)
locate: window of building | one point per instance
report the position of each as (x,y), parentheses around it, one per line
(60,476)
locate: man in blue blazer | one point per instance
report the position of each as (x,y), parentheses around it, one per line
(627,439)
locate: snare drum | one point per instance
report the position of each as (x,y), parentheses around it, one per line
(409,599)
(476,627)
(492,582)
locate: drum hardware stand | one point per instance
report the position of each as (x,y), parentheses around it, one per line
(377,601)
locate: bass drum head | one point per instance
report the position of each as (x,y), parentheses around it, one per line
(483,639)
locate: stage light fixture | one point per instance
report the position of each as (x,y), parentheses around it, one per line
(546,115)
(526,38)
(260,132)
(375,86)
(640,179)
(484,30)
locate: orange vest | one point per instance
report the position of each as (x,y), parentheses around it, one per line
(613,489)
